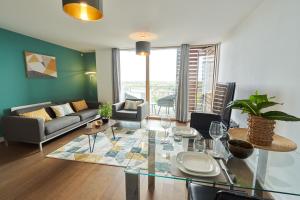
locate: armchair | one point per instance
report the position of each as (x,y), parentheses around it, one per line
(119,113)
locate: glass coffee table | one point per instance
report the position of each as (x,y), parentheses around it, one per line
(159,160)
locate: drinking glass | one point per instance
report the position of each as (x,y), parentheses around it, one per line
(199,144)
(216,131)
(165,122)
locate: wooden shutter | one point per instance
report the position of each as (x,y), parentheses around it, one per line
(201,77)
(201,72)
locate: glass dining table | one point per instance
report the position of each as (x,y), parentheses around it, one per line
(153,159)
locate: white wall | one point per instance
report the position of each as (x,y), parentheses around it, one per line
(263,53)
(104,75)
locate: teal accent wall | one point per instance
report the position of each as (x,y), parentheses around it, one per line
(89,60)
(16,89)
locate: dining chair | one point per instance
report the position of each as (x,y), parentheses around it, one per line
(224,93)
(201,122)
(203,192)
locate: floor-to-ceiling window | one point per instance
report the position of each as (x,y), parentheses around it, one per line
(162,81)
(133,75)
(162,76)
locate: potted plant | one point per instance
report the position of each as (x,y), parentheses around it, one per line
(105,112)
(261,124)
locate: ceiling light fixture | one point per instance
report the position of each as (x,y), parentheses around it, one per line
(142,48)
(87,10)
(142,36)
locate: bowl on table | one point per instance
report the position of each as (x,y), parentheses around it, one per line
(240,148)
(98,123)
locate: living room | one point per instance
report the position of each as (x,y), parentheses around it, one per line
(149,99)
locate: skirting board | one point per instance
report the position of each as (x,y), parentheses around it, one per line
(1,139)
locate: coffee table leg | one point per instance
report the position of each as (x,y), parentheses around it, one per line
(94,136)
(113,132)
(90,144)
(132,183)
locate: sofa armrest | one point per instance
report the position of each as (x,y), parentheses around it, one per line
(142,111)
(93,104)
(22,129)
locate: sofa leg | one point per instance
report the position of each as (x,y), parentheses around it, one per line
(41,147)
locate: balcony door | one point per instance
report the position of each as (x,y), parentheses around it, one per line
(152,79)
(162,81)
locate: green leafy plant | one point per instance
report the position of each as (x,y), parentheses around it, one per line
(105,111)
(256,103)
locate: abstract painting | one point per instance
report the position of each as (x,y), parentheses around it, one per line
(40,66)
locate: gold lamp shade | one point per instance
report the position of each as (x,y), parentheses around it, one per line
(87,10)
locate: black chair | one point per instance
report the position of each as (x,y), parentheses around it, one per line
(233,195)
(201,122)
(224,93)
(202,192)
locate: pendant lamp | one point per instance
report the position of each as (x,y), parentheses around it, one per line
(87,10)
(142,48)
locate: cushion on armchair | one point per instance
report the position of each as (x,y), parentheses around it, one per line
(132,104)
(126,114)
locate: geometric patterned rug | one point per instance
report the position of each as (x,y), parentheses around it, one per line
(107,151)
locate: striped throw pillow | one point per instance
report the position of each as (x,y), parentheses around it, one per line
(62,110)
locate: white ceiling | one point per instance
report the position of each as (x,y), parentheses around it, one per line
(174,21)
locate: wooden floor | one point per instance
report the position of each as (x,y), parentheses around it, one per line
(25,173)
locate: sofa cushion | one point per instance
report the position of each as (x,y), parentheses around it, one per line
(126,114)
(60,123)
(41,113)
(36,107)
(62,110)
(79,105)
(85,114)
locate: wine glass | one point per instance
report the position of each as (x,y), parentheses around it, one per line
(216,131)
(165,122)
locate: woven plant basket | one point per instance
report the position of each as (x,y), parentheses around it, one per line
(260,130)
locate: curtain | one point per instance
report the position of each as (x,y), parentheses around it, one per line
(116,74)
(182,87)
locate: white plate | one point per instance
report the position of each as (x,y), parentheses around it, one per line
(215,172)
(185,131)
(197,162)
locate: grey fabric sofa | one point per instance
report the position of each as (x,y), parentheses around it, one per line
(119,113)
(36,131)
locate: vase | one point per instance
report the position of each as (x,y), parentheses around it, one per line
(260,130)
(105,120)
